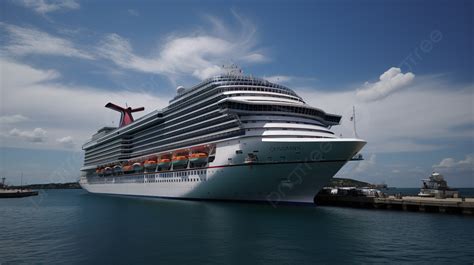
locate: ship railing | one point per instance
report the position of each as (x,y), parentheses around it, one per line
(148,177)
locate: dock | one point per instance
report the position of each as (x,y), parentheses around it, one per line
(403,203)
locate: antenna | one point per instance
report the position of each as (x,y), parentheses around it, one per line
(353,119)
(232,69)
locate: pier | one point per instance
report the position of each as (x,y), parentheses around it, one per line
(405,203)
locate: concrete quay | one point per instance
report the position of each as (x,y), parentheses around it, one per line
(405,203)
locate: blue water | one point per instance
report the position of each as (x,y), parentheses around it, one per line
(73,227)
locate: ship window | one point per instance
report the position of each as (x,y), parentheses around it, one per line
(238,151)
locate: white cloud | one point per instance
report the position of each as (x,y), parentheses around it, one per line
(133,12)
(73,111)
(421,118)
(365,165)
(389,82)
(66,141)
(449,162)
(46,6)
(38,135)
(24,41)
(278,78)
(11,79)
(254,58)
(458,173)
(199,54)
(8,119)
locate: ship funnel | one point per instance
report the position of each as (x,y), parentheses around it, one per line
(125,113)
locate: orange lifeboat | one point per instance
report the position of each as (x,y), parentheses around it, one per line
(198,158)
(179,160)
(164,162)
(99,171)
(150,163)
(127,168)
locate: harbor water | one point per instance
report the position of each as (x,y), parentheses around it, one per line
(74,227)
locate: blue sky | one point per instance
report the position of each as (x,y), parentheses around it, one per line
(406,65)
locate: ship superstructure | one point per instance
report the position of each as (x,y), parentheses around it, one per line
(231,137)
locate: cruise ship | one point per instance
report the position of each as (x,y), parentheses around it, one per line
(231,137)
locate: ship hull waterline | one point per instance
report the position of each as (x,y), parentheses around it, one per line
(292,181)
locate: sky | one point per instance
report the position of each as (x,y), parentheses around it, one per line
(406,66)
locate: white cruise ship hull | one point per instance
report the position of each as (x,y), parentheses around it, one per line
(288,170)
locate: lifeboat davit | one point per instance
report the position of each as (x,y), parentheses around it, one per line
(117,169)
(198,158)
(107,170)
(137,167)
(179,160)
